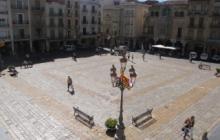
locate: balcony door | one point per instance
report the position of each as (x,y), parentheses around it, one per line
(19,3)
(20,18)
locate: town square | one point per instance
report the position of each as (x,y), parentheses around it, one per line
(36,104)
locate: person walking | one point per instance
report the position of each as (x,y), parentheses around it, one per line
(74,56)
(69,83)
(143,56)
(129,56)
(132,58)
(192,123)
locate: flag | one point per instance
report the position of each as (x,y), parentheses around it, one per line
(125,81)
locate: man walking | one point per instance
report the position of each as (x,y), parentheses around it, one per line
(69,83)
(143,56)
(132,58)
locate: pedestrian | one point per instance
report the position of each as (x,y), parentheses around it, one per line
(190,58)
(185,132)
(129,56)
(143,56)
(69,83)
(160,56)
(132,58)
(205,136)
(192,123)
(74,56)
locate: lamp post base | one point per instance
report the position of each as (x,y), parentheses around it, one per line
(120,133)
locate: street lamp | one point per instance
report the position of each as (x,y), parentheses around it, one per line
(122,82)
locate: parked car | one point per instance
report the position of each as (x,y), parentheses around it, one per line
(216,57)
(69,48)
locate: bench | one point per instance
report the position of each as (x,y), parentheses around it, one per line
(12,71)
(83,117)
(142,118)
(27,64)
(204,66)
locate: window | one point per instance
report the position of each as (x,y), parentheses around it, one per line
(21,33)
(84,31)
(201,22)
(69,23)
(2,21)
(84,20)
(51,11)
(60,12)
(93,30)
(179,33)
(93,20)
(76,13)
(68,34)
(191,22)
(51,22)
(68,12)
(20,18)
(19,4)
(52,33)
(60,34)
(60,22)
(76,4)
(76,22)
(151,29)
(93,9)
(84,8)
(68,4)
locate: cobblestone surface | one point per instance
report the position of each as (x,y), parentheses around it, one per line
(36,105)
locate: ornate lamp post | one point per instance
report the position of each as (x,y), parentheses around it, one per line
(122,82)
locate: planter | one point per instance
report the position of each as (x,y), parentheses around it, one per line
(111,127)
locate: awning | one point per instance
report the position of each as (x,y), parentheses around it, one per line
(164,47)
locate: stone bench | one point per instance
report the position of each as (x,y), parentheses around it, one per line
(204,66)
(142,118)
(83,117)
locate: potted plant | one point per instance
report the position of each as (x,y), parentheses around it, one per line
(110,124)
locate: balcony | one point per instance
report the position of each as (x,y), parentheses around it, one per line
(191,26)
(24,22)
(21,37)
(85,11)
(3,12)
(216,14)
(37,9)
(215,26)
(4,37)
(56,14)
(194,12)
(4,25)
(19,7)
(85,22)
(94,11)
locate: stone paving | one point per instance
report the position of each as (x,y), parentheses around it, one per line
(36,104)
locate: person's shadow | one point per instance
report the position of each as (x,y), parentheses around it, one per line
(72,92)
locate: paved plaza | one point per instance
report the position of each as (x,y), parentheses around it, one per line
(36,104)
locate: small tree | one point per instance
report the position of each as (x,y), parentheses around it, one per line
(111,123)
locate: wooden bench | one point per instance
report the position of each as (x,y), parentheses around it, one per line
(83,117)
(204,66)
(142,118)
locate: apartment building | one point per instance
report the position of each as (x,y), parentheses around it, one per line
(4,24)
(124,23)
(90,22)
(46,25)
(191,25)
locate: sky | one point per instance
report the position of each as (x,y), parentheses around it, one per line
(158,0)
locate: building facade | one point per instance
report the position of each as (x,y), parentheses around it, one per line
(191,25)
(90,22)
(32,26)
(124,23)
